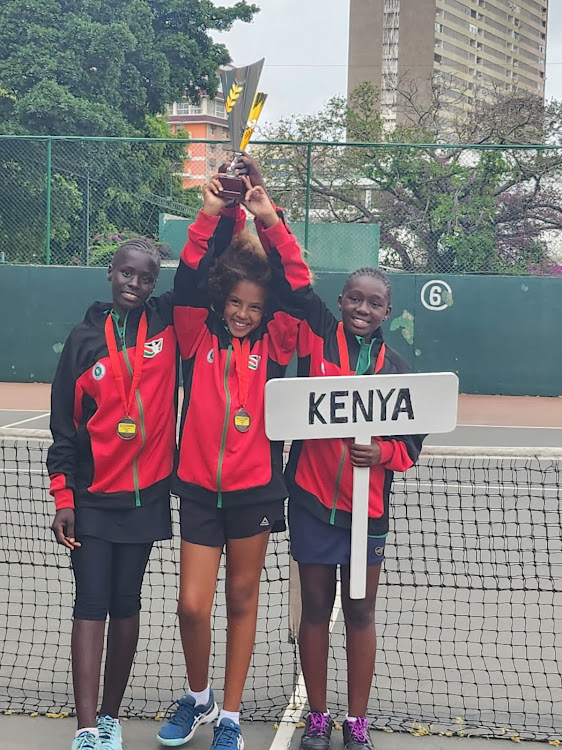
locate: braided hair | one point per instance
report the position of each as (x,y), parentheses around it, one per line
(243,260)
(375,273)
(141,245)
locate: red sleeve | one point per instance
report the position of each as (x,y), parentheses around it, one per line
(198,235)
(191,302)
(399,454)
(64,496)
(294,270)
(290,278)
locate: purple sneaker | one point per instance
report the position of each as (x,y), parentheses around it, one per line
(356,734)
(317,732)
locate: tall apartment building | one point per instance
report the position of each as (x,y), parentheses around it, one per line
(206,120)
(482,43)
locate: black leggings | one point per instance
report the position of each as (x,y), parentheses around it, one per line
(108,578)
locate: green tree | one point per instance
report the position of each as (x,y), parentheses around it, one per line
(440,207)
(97,68)
(92,67)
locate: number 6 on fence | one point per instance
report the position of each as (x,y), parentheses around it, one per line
(360,407)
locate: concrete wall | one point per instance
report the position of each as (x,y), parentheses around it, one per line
(500,334)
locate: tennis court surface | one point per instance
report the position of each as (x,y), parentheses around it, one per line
(469,615)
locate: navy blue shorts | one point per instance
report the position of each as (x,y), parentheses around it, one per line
(315,542)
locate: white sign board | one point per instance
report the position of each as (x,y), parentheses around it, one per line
(360,407)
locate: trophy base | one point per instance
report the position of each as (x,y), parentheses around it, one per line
(232,188)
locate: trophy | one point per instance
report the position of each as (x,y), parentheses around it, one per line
(243,104)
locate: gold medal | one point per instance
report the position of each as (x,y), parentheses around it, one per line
(127,428)
(242,420)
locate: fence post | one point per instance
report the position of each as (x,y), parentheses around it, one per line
(48,205)
(86,217)
(307,209)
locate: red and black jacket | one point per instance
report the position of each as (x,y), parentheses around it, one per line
(89,464)
(218,464)
(319,473)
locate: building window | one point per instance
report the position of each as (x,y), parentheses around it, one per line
(213,129)
(185,108)
(219,109)
(472,28)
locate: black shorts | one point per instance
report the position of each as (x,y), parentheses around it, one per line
(213,527)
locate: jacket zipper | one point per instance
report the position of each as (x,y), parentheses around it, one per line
(224,427)
(337,487)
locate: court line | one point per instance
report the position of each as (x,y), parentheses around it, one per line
(297,702)
(18,410)
(23,421)
(509,427)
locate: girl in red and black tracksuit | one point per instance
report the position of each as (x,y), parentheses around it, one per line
(113,424)
(233,337)
(320,482)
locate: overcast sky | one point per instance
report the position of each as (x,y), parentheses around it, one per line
(305,43)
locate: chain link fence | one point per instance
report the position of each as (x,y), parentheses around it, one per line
(411,207)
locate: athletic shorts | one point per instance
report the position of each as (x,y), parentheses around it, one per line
(108,578)
(213,527)
(315,542)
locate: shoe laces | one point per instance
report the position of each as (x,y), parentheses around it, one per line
(107,726)
(226,736)
(317,724)
(184,710)
(358,729)
(88,741)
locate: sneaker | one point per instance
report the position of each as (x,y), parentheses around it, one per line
(317,732)
(85,741)
(227,736)
(356,734)
(186,719)
(110,733)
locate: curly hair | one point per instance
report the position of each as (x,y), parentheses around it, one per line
(375,273)
(141,245)
(243,260)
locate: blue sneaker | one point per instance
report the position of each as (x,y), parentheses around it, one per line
(85,741)
(227,736)
(186,719)
(110,733)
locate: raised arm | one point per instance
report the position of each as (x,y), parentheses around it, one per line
(208,238)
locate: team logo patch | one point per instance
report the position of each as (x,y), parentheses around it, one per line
(265,521)
(98,371)
(379,551)
(253,361)
(211,356)
(152,348)
(323,368)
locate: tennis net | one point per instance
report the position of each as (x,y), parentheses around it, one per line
(469,612)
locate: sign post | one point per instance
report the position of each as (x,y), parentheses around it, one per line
(360,407)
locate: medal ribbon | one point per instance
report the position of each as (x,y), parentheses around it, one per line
(344,353)
(116,361)
(241,359)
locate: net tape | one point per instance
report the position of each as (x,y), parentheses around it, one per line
(469,611)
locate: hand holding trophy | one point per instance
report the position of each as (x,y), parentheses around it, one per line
(243,106)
